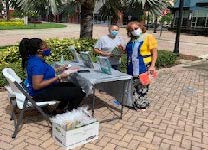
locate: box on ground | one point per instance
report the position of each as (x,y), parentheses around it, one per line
(75,137)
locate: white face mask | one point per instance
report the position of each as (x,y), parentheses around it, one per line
(137,32)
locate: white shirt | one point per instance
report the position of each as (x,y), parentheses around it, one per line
(107,44)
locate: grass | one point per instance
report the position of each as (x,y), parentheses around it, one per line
(34,26)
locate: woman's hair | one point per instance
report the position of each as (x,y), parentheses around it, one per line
(140,25)
(29,47)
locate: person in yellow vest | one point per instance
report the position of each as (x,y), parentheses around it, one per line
(141,58)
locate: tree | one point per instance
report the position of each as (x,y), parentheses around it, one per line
(1,6)
(7,10)
(167,18)
(33,8)
(135,8)
(87,8)
(111,8)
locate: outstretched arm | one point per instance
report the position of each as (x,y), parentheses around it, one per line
(99,52)
(154,58)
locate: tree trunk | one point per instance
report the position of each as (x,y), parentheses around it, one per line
(7,10)
(26,20)
(87,8)
(155,25)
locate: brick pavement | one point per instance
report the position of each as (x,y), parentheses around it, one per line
(176,119)
(191,45)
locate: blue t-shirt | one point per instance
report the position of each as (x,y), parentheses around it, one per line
(37,66)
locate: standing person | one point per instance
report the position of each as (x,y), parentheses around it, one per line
(141,58)
(107,43)
(43,83)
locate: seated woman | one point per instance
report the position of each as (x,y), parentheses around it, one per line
(44,85)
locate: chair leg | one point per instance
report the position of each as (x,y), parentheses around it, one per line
(13,105)
(11,116)
(19,121)
(46,116)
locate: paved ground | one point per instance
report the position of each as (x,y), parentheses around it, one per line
(191,45)
(177,118)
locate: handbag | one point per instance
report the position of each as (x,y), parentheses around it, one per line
(146,78)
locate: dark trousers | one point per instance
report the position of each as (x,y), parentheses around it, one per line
(69,95)
(114,67)
(141,90)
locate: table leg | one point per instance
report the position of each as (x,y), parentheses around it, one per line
(93,102)
(123,96)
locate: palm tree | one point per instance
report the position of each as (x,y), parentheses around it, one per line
(134,8)
(111,8)
(31,7)
(7,10)
(87,8)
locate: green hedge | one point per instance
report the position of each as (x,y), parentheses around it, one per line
(13,22)
(165,59)
(16,66)
(9,56)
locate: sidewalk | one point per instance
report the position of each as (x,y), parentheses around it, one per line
(190,45)
(176,119)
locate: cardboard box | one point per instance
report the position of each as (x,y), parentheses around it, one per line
(75,137)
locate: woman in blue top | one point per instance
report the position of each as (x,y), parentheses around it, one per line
(141,58)
(44,85)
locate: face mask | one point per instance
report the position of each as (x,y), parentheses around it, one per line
(114,33)
(46,52)
(137,32)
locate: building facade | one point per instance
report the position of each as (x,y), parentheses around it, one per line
(195,15)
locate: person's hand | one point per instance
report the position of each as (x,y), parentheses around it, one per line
(63,75)
(108,54)
(71,70)
(120,47)
(151,70)
(61,68)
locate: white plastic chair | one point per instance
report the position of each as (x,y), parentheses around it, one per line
(20,98)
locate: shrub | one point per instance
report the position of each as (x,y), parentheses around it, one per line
(165,59)
(11,20)
(58,47)
(9,54)
(16,66)
(123,65)
(12,23)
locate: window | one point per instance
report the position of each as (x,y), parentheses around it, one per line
(185,22)
(201,22)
